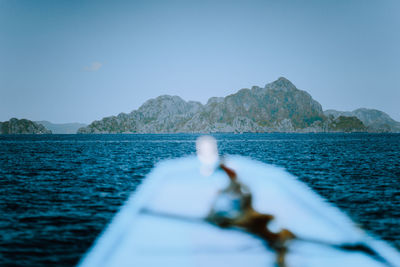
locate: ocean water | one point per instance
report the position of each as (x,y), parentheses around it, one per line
(57,192)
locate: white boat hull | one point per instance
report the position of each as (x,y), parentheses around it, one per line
(162,224)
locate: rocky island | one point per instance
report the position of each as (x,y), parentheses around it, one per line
(277,107)
(22,126)
(374,120)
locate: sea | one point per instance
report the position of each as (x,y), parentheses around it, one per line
(58,192)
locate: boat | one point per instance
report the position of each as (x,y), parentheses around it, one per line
(166,222)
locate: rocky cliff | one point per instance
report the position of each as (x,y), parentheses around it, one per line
(22,126)
(277,107)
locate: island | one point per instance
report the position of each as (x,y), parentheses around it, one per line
(22,126)
(277,107)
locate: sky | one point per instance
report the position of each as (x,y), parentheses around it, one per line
(79,61)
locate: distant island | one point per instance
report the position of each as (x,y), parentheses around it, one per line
(375,120)
(25,126)
(62,128)
(277,107)
(22,126)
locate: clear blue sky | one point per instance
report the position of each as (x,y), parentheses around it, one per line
(77,61)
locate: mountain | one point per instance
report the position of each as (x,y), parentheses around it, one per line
(277,107)
(62,128)
(22,126)
(374,120)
